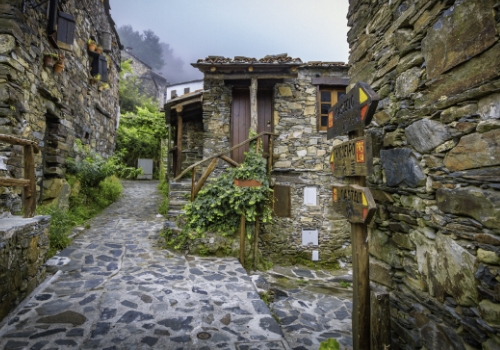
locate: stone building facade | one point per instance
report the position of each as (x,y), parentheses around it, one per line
(435,241)
(151,84)
(55,109)
(288,94)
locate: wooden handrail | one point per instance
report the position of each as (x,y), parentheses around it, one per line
(225,152)
(19,142)
(29,181)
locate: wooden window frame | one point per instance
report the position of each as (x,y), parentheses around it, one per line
(334,90)
(61,27)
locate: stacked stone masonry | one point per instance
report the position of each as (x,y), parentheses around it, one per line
(435,241)
(300,159)
(54,109)
(23,248)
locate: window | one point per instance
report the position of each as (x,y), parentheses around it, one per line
(100,66)
(60,27)
(173,94)
(282,203)
(186,90)
(327,98)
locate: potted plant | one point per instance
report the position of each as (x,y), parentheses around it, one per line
(49,59)
(98,49)
(59,66)
(103,86)
(91,45)
(95,79)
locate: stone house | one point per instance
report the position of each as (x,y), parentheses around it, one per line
(283,95)
(435,240)
(55,109)
(179,89)
(151,84)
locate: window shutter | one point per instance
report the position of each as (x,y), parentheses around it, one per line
(52,23)
(282,204)
(65,28)
(100,66)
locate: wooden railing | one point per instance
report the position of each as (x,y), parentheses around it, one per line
(29,181)
(195,187)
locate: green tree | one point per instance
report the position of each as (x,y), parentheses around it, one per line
(146,46)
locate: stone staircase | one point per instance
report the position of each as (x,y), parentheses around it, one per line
(179,195)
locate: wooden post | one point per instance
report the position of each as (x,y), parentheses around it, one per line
(254,85)
(242,240)
(361,277)
(178,165)
(256,242)
(257,147)
(270,158)
(29,193)
(193,180)
(380,320)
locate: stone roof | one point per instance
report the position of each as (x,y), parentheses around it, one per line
(321,64)
(269,59)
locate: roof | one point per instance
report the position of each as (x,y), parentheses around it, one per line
(269,59)
(186,82)
(321,64)
(191,104)
(138,59)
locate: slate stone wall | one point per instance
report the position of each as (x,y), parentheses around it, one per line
(54,109)
(435,241)
(23,248)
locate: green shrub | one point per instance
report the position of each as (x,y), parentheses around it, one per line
(110,189)
(329,344)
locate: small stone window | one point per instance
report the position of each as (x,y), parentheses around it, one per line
(282,201)
(100,66)
(186,90)
(327,98)
(60,27)
(173,94)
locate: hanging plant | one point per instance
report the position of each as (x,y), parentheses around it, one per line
(91,45)
(98,49)
(95,79)
(49,59)
(59,66)
(103,86)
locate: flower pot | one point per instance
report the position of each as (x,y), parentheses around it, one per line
(49,61)
(247,183)
(91,47)
(58,67)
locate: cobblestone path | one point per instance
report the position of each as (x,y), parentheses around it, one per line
(114,289)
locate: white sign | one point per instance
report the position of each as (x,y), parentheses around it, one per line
(315,255)
(310,197)
(309,237)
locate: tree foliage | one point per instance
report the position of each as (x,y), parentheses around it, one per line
(146,46)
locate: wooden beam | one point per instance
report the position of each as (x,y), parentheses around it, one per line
(256,242)
(224,152)
(19,142)
(7,182)
(249,76)
(178,165)
(380,320)
(270,158)
(230,161)
(361,277)
(29,193)
(193,180)
(242,239)
(205,176)
(254,84)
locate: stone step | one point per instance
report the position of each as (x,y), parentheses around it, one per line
(174,213)
(176,204)
(176,186)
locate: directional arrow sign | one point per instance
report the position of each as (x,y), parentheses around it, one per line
(354,202)
(352,158)
(353,111)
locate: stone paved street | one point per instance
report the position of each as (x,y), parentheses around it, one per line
(114,288)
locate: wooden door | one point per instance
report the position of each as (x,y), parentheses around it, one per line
(240,122)
(265,115)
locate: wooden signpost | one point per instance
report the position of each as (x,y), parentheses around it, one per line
(349,116)
(352,158)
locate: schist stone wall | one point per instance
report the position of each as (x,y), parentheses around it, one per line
(52,108)
(23,248)
(435,241)
(301,161)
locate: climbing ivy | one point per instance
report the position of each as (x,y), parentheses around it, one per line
(219,205)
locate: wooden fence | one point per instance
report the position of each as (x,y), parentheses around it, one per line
(29,181)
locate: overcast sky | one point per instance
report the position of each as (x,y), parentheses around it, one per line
(313,30)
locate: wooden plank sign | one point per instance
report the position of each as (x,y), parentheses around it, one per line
(354,202)
(352,158)
(353,111)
